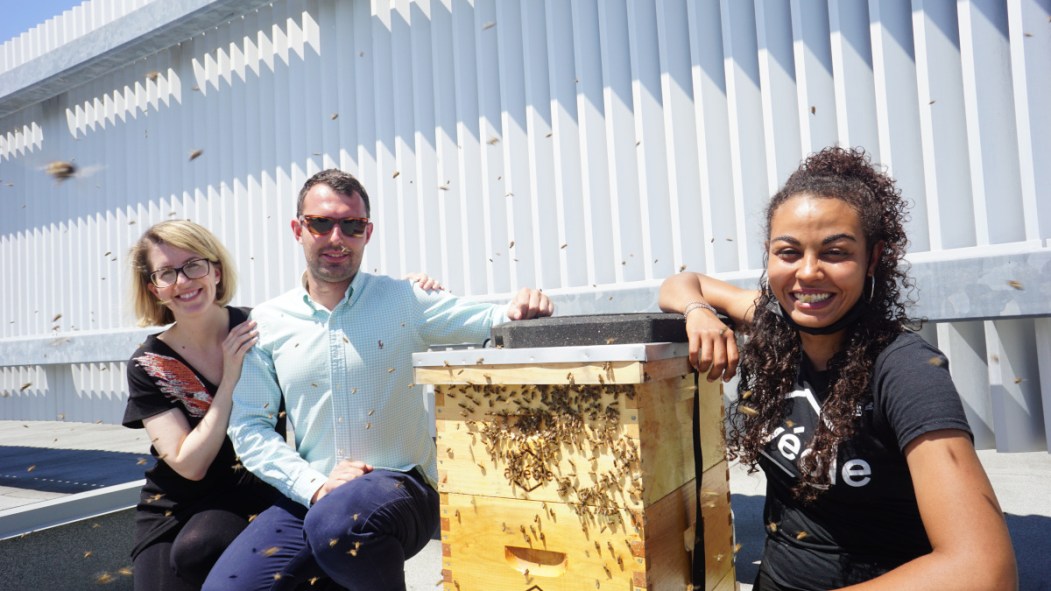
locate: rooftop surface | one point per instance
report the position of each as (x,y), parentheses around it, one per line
(47,464)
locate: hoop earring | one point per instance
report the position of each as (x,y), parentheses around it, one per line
(872,288)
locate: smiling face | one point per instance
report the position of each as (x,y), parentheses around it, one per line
(332,259)
(186,296)
(818,259)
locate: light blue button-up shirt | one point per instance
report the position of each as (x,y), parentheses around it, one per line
(346,377)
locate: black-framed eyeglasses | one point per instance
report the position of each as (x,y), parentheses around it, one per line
(192,269)
(321,225)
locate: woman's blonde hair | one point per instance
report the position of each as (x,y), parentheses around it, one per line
(182,234)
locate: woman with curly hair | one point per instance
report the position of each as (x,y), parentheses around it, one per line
(872,477)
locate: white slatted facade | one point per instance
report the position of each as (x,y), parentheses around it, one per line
(590,148)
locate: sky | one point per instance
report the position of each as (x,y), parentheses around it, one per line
(18,16)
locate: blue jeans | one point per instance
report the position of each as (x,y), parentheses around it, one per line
(357,537)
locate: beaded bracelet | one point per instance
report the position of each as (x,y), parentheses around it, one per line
(694,305)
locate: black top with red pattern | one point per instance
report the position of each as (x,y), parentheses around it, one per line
(159,380)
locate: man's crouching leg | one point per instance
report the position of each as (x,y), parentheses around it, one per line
(362,533)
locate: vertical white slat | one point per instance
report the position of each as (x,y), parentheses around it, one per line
(388,151)
(777,76)
(897,115)
(945,153)
(964,345)
(513,149)
(1018,416)
(492,170)
(621,142)
(597,238)
(286,143)
(544,215)
(241,239)
(447,229)
(273,218)
(679,124)
(469,140)
(1030,49)
(324,16)
(1042,328)
(415,131)
(650,143)
(747,141)
(990,118)
(309,63)
(813,67)
(565,146)
(433,138)
(712,133)
(852,68)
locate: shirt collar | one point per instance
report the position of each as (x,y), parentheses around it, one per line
(355,284)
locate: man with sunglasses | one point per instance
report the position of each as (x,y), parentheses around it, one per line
(361,480)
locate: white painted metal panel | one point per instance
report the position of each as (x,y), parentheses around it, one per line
(590,148)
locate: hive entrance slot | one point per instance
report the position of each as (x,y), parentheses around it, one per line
(541,563)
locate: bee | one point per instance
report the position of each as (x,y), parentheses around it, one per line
(801,535)
(61,170)
(124,571)
(334,116)
(937,361)
(1016,284)
(104,579)
(152,75)
(195,154)
(270,551)
(314,580)
(748,410)
(332,543)
(737,548)
(31,468)
(488,25)
(380,344)
(25,386)
(87,554)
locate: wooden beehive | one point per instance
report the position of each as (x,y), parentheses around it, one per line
(572,468)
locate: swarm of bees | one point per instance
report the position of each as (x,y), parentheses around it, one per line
(547,422)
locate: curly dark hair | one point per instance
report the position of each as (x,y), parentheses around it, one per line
(771,355)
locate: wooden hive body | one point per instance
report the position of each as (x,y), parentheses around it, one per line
(569,476)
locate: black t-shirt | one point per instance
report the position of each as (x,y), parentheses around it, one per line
(868,521)
(159,379)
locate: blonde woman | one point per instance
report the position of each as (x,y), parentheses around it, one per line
(197,498)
